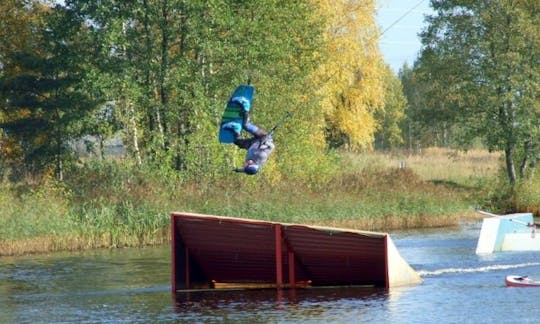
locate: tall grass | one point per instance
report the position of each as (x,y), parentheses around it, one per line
(436,164)
(114,204)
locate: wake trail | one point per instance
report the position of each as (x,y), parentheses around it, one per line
(424,273)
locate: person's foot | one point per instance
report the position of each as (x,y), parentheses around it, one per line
(242,102)
(233,126)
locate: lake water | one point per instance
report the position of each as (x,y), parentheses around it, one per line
(133,286)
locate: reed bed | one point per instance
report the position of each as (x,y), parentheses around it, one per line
(110,205)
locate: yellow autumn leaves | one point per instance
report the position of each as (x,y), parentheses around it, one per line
(350,82)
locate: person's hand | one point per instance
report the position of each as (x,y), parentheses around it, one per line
(261,133)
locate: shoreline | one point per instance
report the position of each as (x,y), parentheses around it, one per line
(52,244)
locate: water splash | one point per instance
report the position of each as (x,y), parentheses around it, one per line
(424,273)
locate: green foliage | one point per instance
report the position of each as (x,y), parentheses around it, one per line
(389,133)
(44,101)
(479,72)
(423,126)
(112,203)
(34,212)
(168,68)
(162,72)
(528,195)
(157,74)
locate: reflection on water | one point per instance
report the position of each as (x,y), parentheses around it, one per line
(317,304)
(68,287)
(133,286)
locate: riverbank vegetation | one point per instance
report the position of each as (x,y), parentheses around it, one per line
(362,147)
(113,204)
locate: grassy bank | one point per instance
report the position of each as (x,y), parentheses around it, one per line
(114,205)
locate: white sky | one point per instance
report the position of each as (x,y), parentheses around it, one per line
(401,43)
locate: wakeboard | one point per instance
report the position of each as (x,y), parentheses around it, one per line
(231,121)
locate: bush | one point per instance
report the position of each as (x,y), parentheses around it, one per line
(116,203)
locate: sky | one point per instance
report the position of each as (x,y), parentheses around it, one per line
(404,20)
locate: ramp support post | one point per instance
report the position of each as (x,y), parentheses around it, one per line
(292,275)
(279,262)
(186,251)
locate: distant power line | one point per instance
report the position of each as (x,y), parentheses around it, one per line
(401,17)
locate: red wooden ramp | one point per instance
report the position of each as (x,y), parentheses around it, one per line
(223,252)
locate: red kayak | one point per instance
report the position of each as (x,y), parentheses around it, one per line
(521,281)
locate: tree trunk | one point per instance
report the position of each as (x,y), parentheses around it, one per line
(525,160)
(135,133)
(101,147)
(153,111)
(164,68)
(510,168)
(58,167)
(180,146)
(59,171)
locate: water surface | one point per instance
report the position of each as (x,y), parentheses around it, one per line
(133,286)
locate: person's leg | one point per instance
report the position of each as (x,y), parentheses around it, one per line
(244,143)
(255,130)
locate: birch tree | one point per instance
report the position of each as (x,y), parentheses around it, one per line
(481,59)
(351,76)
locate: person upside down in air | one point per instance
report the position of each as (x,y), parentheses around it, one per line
(259,147)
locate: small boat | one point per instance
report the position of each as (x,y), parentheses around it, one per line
(521,281)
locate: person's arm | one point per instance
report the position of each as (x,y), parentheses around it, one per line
(255,130)
(244,143)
